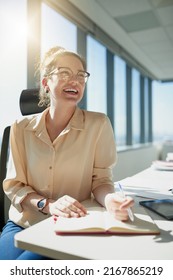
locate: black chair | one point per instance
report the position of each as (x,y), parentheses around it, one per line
(29,99)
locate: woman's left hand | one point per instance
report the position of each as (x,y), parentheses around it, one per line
(67,206)
(117,206)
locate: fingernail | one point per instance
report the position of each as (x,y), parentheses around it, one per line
(55,218)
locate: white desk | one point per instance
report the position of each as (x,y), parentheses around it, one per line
(40,238)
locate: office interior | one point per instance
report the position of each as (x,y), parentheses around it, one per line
(128,46)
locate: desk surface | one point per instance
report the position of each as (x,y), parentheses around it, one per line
(41,238)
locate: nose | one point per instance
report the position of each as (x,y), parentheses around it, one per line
(74,78)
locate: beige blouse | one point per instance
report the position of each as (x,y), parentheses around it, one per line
(79,160)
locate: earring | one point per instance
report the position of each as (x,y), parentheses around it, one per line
(47,90)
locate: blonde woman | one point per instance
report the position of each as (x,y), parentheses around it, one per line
(59,157)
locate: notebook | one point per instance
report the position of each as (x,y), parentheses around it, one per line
(98,220)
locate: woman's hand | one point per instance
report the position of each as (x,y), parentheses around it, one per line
(117,206)
(67,206)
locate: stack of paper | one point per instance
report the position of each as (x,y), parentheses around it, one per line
(163,165)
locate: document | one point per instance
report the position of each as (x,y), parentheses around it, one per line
(163,165)
(98,220)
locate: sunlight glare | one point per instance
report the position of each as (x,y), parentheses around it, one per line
(15,24)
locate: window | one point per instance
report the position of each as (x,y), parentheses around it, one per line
(135,106)
(13,57)
(56,31)
(162,111)
(146,109)
(120,101)
(96,86)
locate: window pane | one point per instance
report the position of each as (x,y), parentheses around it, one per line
(120,101)
(135,106)
(146,109)
(96,86)
(56,30)
(162,111)
(13,57)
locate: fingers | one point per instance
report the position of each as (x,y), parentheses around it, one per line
(67,207)
(127,203)
(119,206)
(121,215)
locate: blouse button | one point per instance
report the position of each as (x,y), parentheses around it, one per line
(50,167)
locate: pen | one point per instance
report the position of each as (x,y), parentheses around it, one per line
(130,213)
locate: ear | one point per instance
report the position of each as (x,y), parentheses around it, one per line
(45,85)
(44,82)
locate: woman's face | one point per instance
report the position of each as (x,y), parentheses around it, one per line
(64,83)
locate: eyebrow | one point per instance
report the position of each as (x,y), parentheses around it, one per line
(79,70)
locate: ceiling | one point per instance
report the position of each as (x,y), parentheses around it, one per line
(143,28)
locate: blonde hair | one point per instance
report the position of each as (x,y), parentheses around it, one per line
(48,65)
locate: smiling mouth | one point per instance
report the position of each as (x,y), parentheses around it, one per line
(71,91)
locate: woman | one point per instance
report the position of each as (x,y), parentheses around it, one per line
(59,157)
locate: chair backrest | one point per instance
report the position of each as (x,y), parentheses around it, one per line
(28,105)
(3,170)
(28,102)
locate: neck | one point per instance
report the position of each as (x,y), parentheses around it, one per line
(57,119)
(62,114)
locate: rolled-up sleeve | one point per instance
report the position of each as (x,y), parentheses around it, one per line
(15,185)
(105,155)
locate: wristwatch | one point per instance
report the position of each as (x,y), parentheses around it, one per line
(41,204)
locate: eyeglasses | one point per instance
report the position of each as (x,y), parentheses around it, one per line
(65,73)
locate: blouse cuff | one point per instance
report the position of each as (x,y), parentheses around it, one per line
(20,196)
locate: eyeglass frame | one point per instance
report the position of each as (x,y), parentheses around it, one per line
(56,72)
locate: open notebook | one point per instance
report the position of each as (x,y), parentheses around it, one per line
(98,220)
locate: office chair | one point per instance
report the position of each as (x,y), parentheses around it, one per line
(28,102)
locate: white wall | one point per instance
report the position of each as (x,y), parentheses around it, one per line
(133,161)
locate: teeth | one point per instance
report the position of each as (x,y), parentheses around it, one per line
(71,90)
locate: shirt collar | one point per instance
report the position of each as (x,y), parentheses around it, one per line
(77,120)
(38,122)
